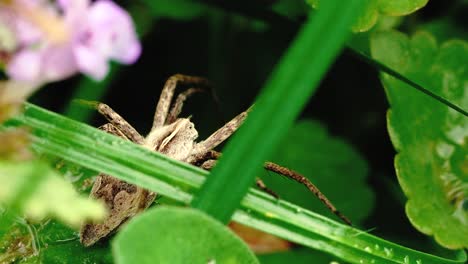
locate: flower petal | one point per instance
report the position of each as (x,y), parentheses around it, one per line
(24,32)
(121,42)
(58,63)
(72,5)
(74,12)
(91,63)
(25,66)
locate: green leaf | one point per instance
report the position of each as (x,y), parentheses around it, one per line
(290,85)
(375,8)
(430,138)
(331,164)
(445,28)
(178,235)
(81,144)
(37,191)
(51,232)
(74,252)
(60,245)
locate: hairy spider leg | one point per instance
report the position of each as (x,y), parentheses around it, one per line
(179,103)
(120,123)
(162,108)
(208,161)
(217,137)
(307,183)
(209,164)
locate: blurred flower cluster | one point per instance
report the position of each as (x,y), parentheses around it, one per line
(44,41)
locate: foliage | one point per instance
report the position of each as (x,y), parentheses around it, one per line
(376,8)
(27,188)
(172,235)
(425,85)
(430,137)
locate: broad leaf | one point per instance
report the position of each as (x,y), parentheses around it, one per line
(331,164)
(445,28)
(431,138)
(176,235)
(375,8)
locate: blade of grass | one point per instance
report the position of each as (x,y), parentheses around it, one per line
(293,81)
(91,148)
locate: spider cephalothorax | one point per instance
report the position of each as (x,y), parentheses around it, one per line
(170,135)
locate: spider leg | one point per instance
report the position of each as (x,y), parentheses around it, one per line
(118,124)
(210,155)
(211,162)
(179,103)
(208,164)
(217,137)
(111,129)
(162,108)
(262,186)
(304,181)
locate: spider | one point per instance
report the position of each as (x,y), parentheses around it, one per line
(174,137)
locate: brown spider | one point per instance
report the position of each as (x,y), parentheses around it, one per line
(174,137)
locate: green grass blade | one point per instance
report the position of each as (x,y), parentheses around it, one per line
(304,227)
(91,148)
(283,97)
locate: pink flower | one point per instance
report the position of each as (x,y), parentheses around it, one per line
(108,34)
(70,36)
